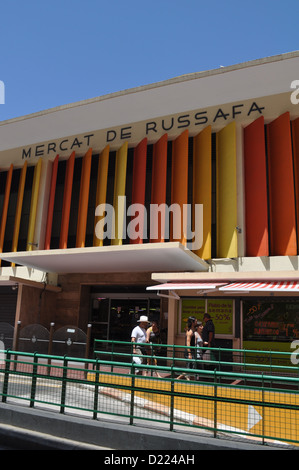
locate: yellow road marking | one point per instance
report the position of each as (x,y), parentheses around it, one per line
(249,416)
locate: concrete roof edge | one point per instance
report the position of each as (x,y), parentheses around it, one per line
(171,81)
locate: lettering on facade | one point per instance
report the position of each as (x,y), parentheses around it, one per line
(183,121)
(63,146)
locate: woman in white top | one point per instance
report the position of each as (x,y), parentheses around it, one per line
(138,338)
(199,344)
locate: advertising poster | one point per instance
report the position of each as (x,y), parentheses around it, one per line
(191,308)
(270,326)
(221,311)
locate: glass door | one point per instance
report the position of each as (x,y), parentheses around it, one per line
(124,314)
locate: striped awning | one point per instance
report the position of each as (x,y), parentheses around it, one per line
(275,286)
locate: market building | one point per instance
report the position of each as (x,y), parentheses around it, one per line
(215,153)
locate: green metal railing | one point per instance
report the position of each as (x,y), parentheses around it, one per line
(247,361)
(256,406)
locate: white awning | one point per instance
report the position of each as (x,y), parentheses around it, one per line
(275,286)
(186,286)
(173,287)
(150,257)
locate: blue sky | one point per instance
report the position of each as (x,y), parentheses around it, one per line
(58,52)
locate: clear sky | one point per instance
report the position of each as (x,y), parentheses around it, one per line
(62,51)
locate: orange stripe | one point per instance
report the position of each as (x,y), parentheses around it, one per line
(83,200)
(256,199)
(179,184)
(159,178)
(139,180)
(51,203)
(66,207)
(295,137)
(119,194)
(281,188)
(5,206)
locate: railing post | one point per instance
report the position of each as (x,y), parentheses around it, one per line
(263,408)
(6,376)
(215,404)
(96,391)
(172,400)
(34,380)
(50,345)
(88,336)
(132,392)
(63,388)
(15,346)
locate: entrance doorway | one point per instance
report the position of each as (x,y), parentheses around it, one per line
(114,316)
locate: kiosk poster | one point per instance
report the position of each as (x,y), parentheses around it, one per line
(191,308)
(221,311)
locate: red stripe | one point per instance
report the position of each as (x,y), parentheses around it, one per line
(256,202)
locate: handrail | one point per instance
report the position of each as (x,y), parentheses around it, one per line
(92,362)
(179,346)
(218,352)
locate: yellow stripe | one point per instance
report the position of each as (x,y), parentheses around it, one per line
(33,205)
(18,214)
(202,187)
(83,200)
(101,189)
(119,190)
(226,205)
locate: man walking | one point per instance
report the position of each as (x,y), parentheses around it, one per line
(208,337)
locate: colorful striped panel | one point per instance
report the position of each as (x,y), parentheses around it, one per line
(179,185)
(202,187)
(226,197)
(295,139)
(138,188)
(281,188)
(101,192)
(158,194)
(83,200)
(51,203)
(119,192)
(18,214)
(33,205)
(5,207)
(256,199)
(66,207)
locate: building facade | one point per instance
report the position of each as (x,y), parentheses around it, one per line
(170,199)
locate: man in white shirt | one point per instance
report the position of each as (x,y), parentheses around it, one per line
(138,336)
